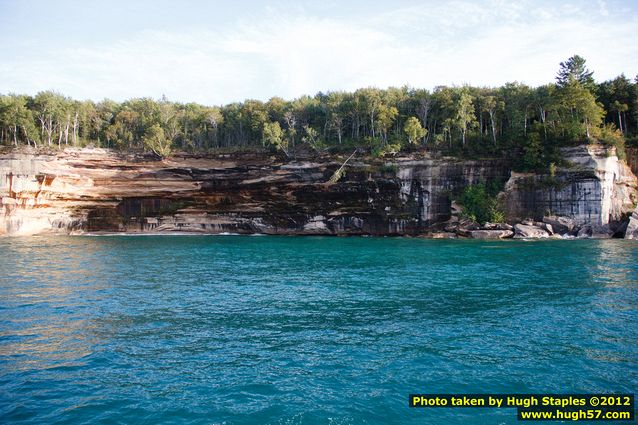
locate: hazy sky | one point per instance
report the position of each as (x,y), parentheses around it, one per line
(216,52)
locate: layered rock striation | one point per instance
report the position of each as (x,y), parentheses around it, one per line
(594,188)
(95,190)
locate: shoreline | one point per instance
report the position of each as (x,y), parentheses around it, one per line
(100,192)
(353,236)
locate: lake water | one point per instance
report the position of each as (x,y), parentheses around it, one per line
(306,330)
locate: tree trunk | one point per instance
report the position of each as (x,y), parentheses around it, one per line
(26,136)
(66,134)
(541,113)
(493,126)
(50,130)
(372,123)
(75,130)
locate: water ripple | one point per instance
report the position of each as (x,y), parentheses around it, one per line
(282,330)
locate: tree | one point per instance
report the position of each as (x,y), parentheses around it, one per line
(414,130)
(170,116)
(371,101)
(17,119)
(256,117)
(291,123)
(618,97)
(442,114)
(489,105)
(479,205)
(273,136)
(311,137)
(423,106)
(620,109)
(48,105)
(385,117)
(574,69)
(123,129)
(567,112)
(580,110)
(533,152)
(543,102)
(100,118)
(335,113)
(63,116)
(464,116)
(155,140)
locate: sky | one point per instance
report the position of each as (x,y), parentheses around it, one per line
(217,52)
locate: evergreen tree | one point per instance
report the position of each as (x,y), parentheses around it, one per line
(574,69)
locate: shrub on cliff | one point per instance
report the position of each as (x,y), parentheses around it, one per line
(479,205)
(611,136)
(383,151)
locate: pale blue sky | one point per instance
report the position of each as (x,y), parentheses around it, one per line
(218,52)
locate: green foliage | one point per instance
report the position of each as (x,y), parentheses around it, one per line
(19,120)
(464,117)
(387,150)
(337,175)
(272,136)
(509,121)
(610,136)
(414,130)
(583,114)
(479,205)
(155,140)
(574,70)
(533,152)
(311,137)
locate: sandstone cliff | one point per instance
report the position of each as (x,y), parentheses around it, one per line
(94,190)
(593,188)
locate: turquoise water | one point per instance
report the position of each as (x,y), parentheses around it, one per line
(306,330)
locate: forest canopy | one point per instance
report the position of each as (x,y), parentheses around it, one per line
(515,121)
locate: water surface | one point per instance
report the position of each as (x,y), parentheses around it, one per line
(306,330)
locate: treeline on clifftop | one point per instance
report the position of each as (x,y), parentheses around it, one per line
(525,125)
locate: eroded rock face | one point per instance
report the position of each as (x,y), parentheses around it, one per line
(595,189)
(632,227)
(430,183)
(632,159)
(95,190)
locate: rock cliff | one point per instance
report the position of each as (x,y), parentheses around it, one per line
(94,190)
(103,191)
(593,188)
